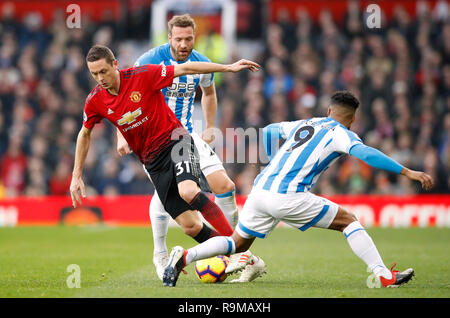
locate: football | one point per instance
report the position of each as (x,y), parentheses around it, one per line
(212,270)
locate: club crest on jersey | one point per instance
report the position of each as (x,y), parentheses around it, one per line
(135,97)
(129,117)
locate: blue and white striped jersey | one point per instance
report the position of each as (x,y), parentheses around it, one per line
(180,96)
(311,146)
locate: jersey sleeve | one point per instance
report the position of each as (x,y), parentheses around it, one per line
(160,76)
(206,80)
(271,136)
(90,116)
(344,140)
(149,57)
(375,158)
(288,127)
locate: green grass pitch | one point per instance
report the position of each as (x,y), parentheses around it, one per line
(117,262)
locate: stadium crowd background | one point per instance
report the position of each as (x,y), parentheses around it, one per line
(400,72)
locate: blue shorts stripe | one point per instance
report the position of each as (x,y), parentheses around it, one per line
(316,219)
(250,232)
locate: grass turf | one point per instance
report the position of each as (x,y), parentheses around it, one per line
(117,262)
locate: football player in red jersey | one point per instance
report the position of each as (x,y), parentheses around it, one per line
(132,101)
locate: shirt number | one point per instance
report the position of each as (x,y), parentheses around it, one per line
(301,136)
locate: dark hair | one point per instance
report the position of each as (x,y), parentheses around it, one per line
(98,52)
(344,98)
(181,21)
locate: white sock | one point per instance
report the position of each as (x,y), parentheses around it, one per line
(160,223)
(227,203)
(363,246)
(218,245)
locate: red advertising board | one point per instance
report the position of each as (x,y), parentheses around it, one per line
(377,211)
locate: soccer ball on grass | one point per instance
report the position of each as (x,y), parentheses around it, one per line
(212,270)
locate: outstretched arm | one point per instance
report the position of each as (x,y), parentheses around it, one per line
(82,148)
(377,159)
(206,67)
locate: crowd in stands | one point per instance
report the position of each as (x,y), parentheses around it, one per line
(400,72)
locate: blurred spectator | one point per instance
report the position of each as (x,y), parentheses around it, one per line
(400,72)
(13,168)
(277,79)
(214,47)
(60,181)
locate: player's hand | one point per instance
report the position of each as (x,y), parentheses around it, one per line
(77,190)
(208,135)
(425,179)
(244,64)
(122,147)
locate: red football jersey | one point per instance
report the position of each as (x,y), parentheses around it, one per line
(139,110)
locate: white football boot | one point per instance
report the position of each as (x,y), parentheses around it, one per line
(160,261)
(238,262)
(252,271)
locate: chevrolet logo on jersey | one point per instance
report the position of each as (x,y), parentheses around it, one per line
(129,117)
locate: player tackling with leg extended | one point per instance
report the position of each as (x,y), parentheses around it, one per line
(131,100)
(281,191)
(180,97)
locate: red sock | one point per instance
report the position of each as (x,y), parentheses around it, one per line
(212,213)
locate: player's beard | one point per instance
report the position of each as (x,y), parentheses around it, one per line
(181,57)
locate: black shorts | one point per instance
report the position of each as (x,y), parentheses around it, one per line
(176,163)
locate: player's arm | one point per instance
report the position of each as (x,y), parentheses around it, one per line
(207,67)
(272,134)
(377,159)
(209,106)
(82,148)
(122,145)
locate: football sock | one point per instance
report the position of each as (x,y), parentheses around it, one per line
(219,245)
(227,203)
(160,222)
(205,233)
(363,246)
(212,213)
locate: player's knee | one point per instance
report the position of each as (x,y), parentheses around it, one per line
(351,217)
(188,193)
(156,210)
(347,219)
(342,220)
(226,186)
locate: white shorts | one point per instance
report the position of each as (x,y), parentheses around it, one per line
(209,161)
(263,210)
